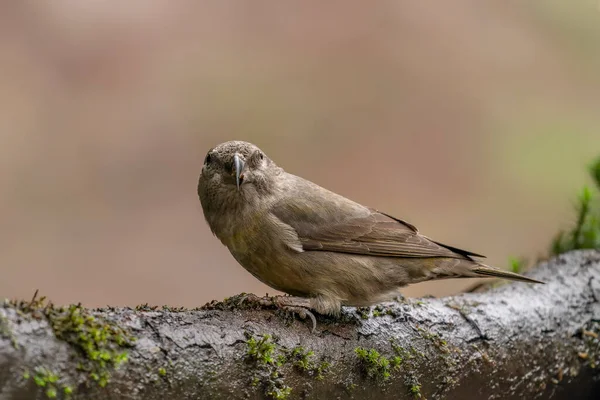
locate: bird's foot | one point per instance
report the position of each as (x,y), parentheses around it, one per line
(302,314)
(250,298)
(292,304)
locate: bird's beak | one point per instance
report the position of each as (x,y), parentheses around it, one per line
(238,165)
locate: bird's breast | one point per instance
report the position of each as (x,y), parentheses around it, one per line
(266,248)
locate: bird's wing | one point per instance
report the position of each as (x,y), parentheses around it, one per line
(367,232)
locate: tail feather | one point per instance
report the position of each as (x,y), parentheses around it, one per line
(486,270)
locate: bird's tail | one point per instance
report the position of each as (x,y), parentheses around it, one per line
(487,271)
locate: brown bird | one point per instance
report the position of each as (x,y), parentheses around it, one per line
(315,245)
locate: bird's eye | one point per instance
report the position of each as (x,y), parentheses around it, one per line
(256,157)
(207,159)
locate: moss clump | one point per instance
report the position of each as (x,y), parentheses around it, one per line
(415,390)
(363,312)
(321,370)
(261,350)
(280,393)
(585,233)
(378,311)
(376,365)
(261,353)
(351,387)
(303,360)
(102,344)
(268,359)
(381,311)
(380,367)
(49,381)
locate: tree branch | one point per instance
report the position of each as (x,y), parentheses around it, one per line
(514,341)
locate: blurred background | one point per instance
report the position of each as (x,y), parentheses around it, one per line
(473,120)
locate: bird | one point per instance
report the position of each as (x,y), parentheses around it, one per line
(322,249)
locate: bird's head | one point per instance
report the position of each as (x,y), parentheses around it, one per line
(235,172)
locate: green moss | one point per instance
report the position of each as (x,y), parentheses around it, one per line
(44,377)
(49,381)
(400,351)
(382,311)
(374,364)
(585,232)
(405,357)
(101,344)
(268,357)
(409,359)
(363,312)
(517,264)
(351,387)
(378,311)
(261,353)
(261,350)
(415,390)
(6,332)
(322,369)
(413,385)
(303,361)
(302,358)
(162,371)
(280,393)
(595,172)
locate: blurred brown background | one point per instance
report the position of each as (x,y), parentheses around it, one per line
(473,120)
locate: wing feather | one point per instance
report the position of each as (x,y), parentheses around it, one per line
(369,233)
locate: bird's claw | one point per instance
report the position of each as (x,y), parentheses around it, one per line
(302,313)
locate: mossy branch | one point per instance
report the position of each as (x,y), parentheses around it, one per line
(514,341)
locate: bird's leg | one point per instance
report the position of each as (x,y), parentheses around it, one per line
(296,305)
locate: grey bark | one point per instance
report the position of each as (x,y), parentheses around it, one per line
(514,341)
